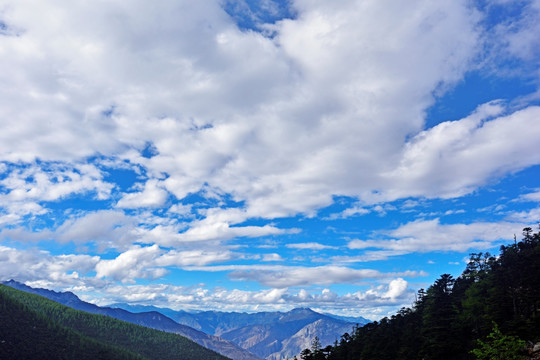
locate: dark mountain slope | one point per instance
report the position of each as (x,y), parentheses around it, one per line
(32,325)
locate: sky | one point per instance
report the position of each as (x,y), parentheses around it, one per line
(240,155)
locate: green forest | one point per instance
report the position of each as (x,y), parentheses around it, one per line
(33,327)
(491,311)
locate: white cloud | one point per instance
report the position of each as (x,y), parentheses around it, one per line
(195,257)
(302,276)
(25,190)
(272,257)
(532,196)
(396,288)
(327,75)
(97,81)
(153,195)
(135,263)
(376,255)
(51,270)
(453,158)
(518,38)
(106,228)
(370,302)
(352,211)
(529,217)
(333,105)
(431,235)
(216,225)
(309,246)
(152,262)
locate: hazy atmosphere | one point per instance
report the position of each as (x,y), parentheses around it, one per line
(242,155)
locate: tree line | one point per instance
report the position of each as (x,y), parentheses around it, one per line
(488,312)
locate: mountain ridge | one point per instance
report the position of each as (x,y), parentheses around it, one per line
(269,335)
(154,320)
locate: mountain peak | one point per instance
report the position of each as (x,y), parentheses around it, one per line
(302,310)
(61,297)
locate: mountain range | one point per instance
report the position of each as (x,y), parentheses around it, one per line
(150,319)
(239,336)
(270,335)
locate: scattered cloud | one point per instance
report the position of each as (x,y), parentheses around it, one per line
(532,196)
(52,270)
(153,137)
(152,195)
(431,235)
(301,276)
(309,246)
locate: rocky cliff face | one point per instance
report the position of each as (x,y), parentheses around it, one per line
(326,330)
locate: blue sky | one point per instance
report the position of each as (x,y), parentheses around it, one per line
(248,156)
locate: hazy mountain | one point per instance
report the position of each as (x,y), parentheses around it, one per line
(151,319)
(272,335)
(289,334)
(361,321)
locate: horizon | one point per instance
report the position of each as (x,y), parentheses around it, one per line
(138,308)
(233,155)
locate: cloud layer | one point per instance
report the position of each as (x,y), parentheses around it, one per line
(143,140)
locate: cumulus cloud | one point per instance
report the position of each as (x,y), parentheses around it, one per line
(135,263)
(158,95)
(51,270)
(349,72)
(328,75)
(107,228)
(454,158)
(152,195)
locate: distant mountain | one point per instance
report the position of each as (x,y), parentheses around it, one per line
(286,337)
(271,335)
(151,319)
(240,336)
(361,321)
(34,327)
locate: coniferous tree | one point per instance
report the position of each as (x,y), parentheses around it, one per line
(447,319)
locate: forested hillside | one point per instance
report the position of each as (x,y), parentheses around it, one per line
(26,334)
(495,300)
(33,327)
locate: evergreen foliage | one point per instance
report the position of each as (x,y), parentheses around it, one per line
(26,334)
(33,327)
(499,347)
(449,318)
